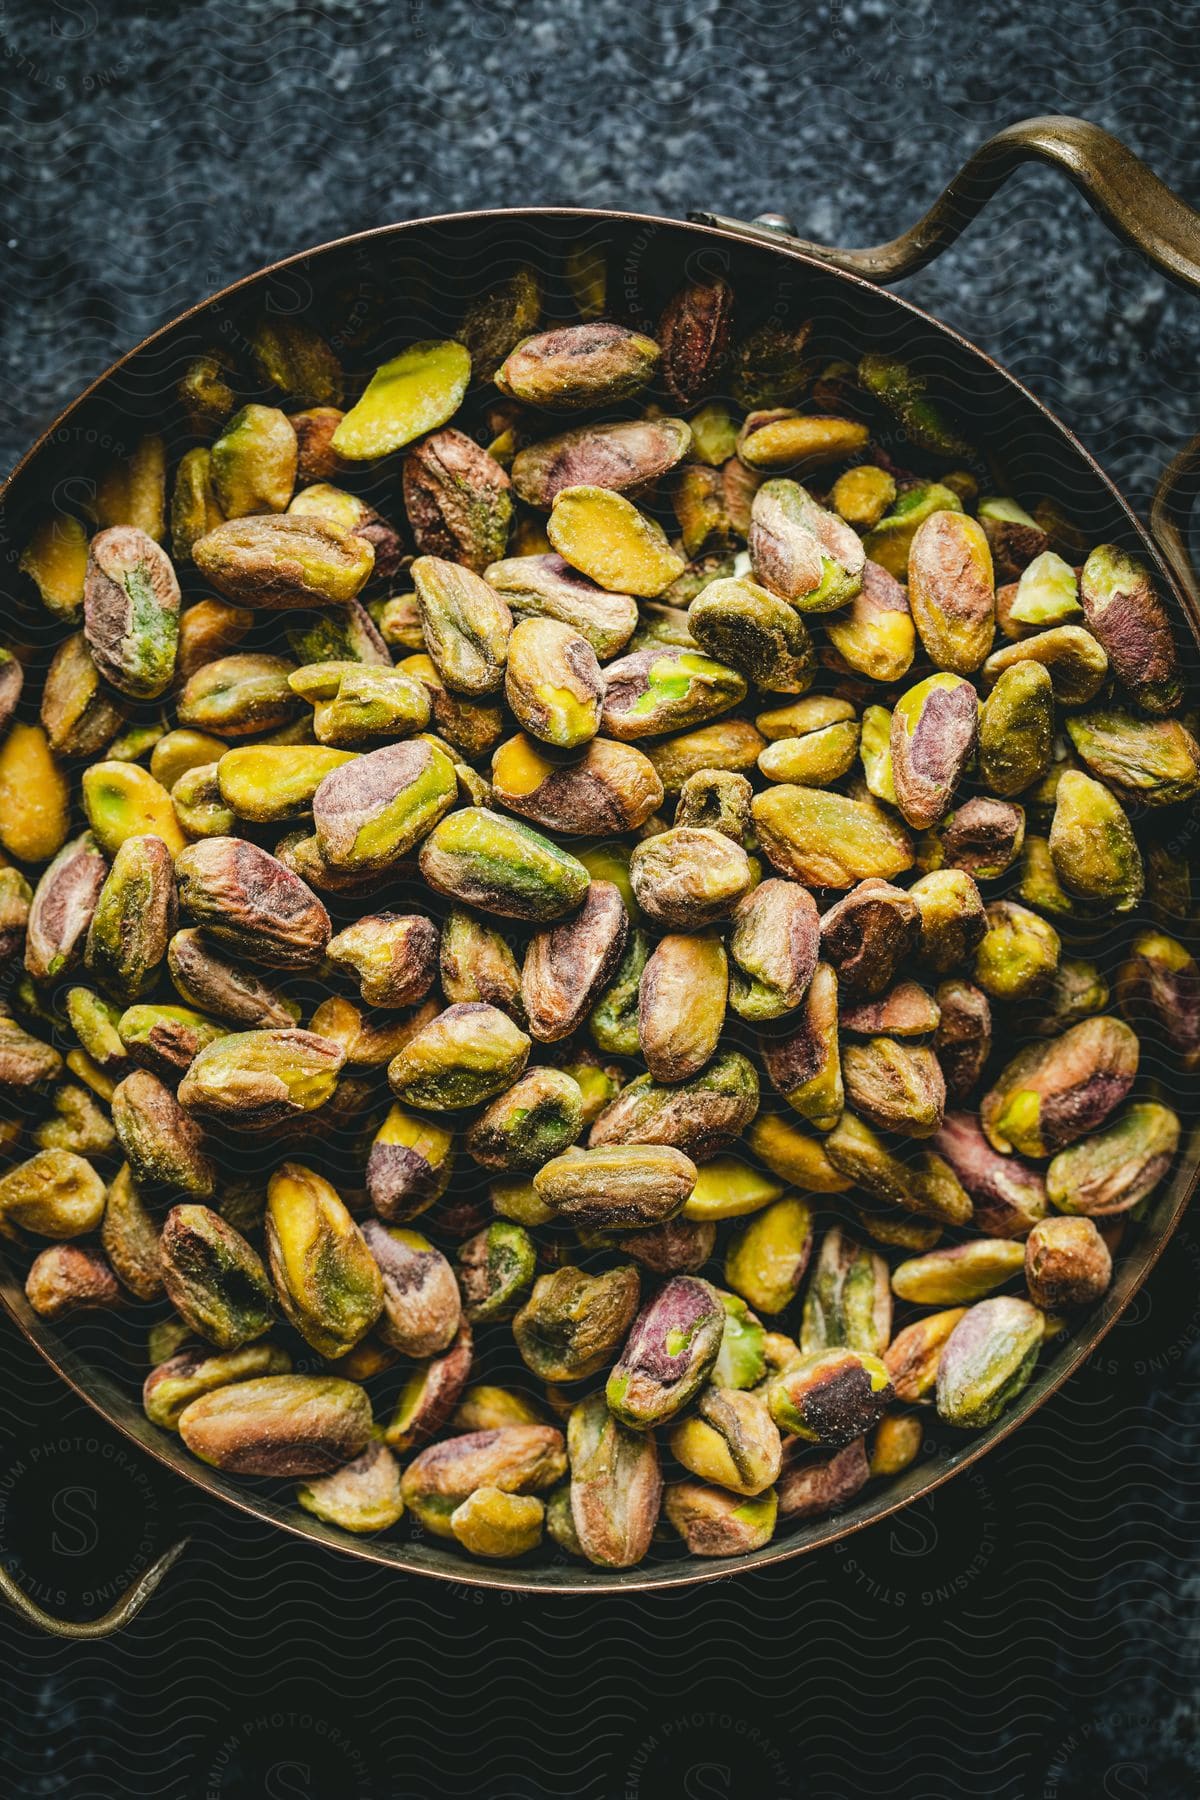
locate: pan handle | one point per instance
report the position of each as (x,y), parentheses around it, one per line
(1118,185)
(1170,511)
(82,1630)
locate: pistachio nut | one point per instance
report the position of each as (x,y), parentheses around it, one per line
(1092,846)
(689,878)
(546,586)
(279,1425)
(1126,614)
(573,1323)
(67,1278)
(616,1485)
(802,553)
(164,1145)
(713,1521)
(1016,729)
(1008,1195)
(912,1357)
(951,590)
(624,456)
(254,1079)
(962,1036)
(414,393)
(280,560)
(464,1056)
(951,918)
(817,1485)
(62,908)
(422,1307)
(1074,660)
(612,787)
(792,1153)
(617,1185)
(568,965)
(501,866)
(429,1395)
(1018,954)
(748,628)
(987,1360)
(831,1396)
(246,899)
(458,500)
(773,950)
(730,1440)
(371,810)
(535,1120)
(363,1495)
(79,716)
(55,1194)
(553,683)
(767,1256)
(217,985)
(494,1268)
(824,839)
(214,1279)
(1113,1170)
(604,536)
(670,1353)
(133,920)
(392,956)
(681,1004)
(700,1116)
(1152,760)
(1067,1263)
(476,962)
(960,1273)
(613,1022)
(327,1281)
(578,366)
(663,689)
(874,633)
(131,611)
(804,1062)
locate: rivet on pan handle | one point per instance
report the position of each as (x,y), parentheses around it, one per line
(81,1630)
(1117,184)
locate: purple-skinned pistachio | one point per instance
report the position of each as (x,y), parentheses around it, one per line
(935,726)
(1126,614)
(670,1352)
(62,908)
(1052,1093)
(1008,1194)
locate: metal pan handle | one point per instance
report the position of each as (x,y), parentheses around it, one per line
(82,1630)
(1118,185)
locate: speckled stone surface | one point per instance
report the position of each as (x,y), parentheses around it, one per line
(1030,1633)
(156,152)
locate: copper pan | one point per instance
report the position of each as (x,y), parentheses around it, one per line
(446,259)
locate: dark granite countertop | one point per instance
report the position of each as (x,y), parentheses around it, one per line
(1031,1631)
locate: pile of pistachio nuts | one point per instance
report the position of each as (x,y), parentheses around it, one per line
(593,933)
